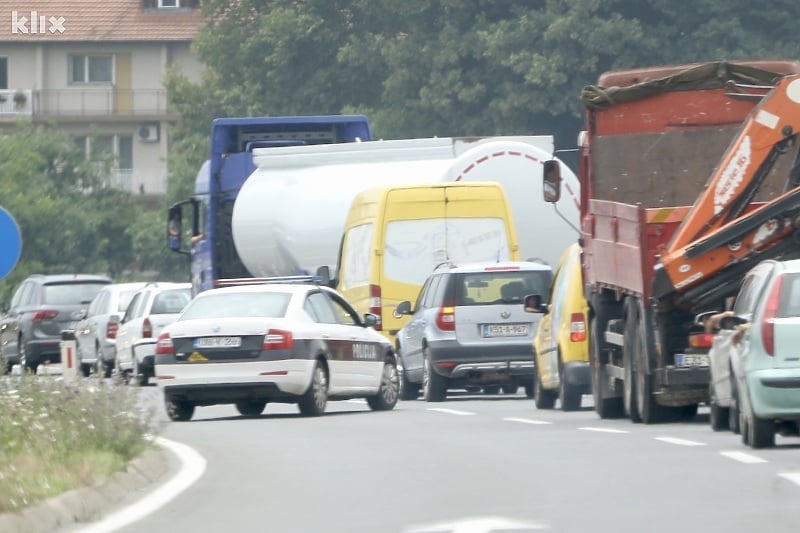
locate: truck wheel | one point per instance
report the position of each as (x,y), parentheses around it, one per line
(603,406)
(630,351)
(543,398)
(314,400)
(570,394)
(510,388)
(647,409)
(389,389)
(491,389)
(529,389)
(718,417)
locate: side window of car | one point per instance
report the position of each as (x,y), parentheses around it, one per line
(98,304)
(135,303)
(751,287)
(429,299)
(344,313)
(320,308)
(28,294)
(422,292)
(16,300)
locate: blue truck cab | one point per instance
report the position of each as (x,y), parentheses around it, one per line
(211,249)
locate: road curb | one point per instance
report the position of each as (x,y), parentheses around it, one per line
(89,503)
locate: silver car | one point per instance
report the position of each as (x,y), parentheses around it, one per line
(96,332)
(469,329)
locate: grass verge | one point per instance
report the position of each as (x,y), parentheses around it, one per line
(57,435)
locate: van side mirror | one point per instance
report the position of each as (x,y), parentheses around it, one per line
(324,276)
(551,181)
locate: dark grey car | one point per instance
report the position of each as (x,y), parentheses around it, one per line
(43,306)
(469,329)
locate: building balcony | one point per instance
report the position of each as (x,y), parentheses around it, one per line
(101,104)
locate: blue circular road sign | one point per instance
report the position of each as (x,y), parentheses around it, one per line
(10,243)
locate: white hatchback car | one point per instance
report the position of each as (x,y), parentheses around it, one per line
(274,342)
(153,307)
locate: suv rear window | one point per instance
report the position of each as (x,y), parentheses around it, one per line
(71,293)
(171,301)
(482,288)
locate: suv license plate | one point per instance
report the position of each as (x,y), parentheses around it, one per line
(685,360)
(218,342)
(505,330)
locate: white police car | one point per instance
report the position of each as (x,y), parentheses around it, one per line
(250,345)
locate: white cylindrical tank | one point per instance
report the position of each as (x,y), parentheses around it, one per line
(290,213)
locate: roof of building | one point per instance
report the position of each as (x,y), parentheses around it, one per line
(93,20)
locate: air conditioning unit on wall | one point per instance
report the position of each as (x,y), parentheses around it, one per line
(148,133)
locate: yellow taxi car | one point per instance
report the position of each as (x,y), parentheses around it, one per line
(561,344)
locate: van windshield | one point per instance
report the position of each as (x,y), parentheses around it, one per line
(415,247)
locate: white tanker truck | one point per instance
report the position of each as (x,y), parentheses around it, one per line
(290,213)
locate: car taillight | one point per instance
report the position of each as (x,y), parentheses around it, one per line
(770,312)
(376,304)
(701,340)
(577,327)
(111,330)
(446,318)
(147,329)
(164,345)
(278,339)
(38,316)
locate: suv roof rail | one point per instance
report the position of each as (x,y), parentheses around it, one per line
(232,282)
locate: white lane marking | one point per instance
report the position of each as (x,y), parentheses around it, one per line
(794,477)
(742,457)
(604,430)
(680,442)
(479,524)
(450,411)
(528,421)
(192,467)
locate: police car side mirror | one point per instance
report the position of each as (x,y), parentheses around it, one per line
(370,320)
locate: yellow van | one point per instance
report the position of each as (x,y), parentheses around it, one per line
(561,344)
(394,237)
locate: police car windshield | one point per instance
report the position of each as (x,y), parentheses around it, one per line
(268,304)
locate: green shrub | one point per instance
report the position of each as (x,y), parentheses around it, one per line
(56,435)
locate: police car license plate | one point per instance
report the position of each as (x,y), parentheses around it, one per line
(685,360)
(218,342)
(504,330)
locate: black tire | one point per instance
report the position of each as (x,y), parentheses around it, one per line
(138,377)
(529,389)
(408,390)
(647,409)
(491,389)
(434,386)
(86,370)
(179,411)
(605,407)
(389,390)
(569,394)
(759,432)
(718,417)
(510,388)
(734,416)
(102,368)
(543,398)
(5,366)
(314,400)
(251,407)
(25,366)
(684,413)
(630,351)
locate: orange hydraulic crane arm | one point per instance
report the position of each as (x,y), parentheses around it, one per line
(715,234)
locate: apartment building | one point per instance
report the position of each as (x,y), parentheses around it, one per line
(95,69)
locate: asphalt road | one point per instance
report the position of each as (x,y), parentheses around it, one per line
(473,464)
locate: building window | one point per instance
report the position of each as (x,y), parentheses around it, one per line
(102,148)
(3,73)
(91,69)
(169,3)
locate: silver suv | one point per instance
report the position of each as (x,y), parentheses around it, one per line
(469,329)
(42,306)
